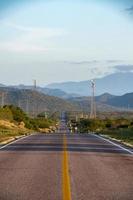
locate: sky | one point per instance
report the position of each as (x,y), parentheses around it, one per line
(64,40)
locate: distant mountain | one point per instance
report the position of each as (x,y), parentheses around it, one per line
(124,101)
(104,98)
(21,86)
(80,88)
(1,85)
(33,101)
(51,92)
(116,84)
(84,104)
(106,102)
(58,93)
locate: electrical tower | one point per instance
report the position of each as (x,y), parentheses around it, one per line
(93,104)
(35,85)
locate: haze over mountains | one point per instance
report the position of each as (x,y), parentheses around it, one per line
(47,91)
(115,84)
(124,101)
(34,102)
(72,95)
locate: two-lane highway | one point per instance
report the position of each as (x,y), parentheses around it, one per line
(65,167)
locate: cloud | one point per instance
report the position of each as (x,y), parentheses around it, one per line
(124,68)
(40,31)
(129,10)
(20,47)
(113,61)
(81,62)
(29,39)
(93,68)
(92,62)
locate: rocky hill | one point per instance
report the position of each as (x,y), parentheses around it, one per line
(32,101)
(84,104)
(124,101)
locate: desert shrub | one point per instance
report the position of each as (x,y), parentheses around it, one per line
(6,114)
(86,125)
(17,113)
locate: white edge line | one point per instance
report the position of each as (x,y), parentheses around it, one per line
(117,145)
(15,141)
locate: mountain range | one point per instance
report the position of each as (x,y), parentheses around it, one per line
(116,84)
(72,96)
(35,102)
(124,101)
(47,91)
(84,104)
(32,101)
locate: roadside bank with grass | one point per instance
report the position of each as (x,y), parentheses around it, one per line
(15,123)
(118,129)
(122,135)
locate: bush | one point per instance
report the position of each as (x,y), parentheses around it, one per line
(6,114)
(18,114)
(40,123)
(86,125)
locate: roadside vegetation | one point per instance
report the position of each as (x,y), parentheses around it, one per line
(14,122)
(120,129)
(122,135)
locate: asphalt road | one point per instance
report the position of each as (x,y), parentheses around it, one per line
(65,167)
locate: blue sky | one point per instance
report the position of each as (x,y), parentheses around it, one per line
(55,41)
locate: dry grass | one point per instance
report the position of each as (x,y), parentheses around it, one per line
(10,130)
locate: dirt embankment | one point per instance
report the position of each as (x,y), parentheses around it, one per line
(10,131)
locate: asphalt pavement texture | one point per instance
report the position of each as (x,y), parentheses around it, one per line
(31,168)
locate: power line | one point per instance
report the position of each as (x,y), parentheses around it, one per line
(2,99)
(27,105)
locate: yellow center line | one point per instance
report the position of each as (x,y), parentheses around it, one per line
(66,177)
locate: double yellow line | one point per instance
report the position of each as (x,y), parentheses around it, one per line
(65,170)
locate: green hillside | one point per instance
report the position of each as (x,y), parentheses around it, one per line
(34,102)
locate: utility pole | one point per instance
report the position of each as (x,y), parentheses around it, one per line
(2,99)
(34,100)
(27,105)
(93,104)
(19,103)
